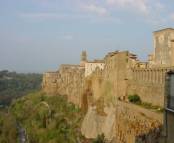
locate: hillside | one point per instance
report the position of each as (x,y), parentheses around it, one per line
(8,130)
(14,85)
(48,119)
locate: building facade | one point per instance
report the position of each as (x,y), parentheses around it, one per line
(102,88)
(164,50)
(90,67)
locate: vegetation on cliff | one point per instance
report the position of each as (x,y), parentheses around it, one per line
(135,99)
(48,119)
(8,130)
(13,85)
(99,139)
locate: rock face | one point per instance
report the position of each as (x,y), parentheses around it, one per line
(103,93)
(109,112)
(137,125)
(95,124)
(103,96)
(124,123)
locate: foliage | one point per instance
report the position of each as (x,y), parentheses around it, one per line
(48,118)
(134,98)
(13,85)
(8,132)
(100,139)
(153,107)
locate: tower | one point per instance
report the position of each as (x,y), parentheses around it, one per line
(163,44)
(83,58)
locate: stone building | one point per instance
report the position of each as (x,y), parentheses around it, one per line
(164,50)
(84,59)
(102,89)
(90,67)
(69,79)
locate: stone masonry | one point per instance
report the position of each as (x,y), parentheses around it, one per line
(103,94)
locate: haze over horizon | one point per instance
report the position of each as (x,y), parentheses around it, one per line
(39,35)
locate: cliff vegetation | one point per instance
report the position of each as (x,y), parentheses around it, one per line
(8,130)
(48,119)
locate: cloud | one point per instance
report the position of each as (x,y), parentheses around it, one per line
(137,5)
(159,6)
(106,19)
(150,11)
(42,15)
(48,16)
(92,18)
(92,8)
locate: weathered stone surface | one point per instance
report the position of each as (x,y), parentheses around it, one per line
(135,124)
(69,81)
(92,124)
(103,93)
(95,124)
(100,93)
(125,123)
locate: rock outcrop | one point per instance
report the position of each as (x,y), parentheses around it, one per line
(95,124)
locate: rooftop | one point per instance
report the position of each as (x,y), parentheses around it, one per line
(165,29)
(96,61)
(69,65)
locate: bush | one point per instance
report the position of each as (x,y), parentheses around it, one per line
(100,139)
(61,126)
(134,98)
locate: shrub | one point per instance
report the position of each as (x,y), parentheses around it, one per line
(99,139)
(134,98)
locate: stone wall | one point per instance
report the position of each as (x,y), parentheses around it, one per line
(115,74)
(49,82)
(100,93)
(123,123)
(137,125)
(163,47)
(148,83)
(69,81)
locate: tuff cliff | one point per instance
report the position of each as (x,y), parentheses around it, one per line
(123,123)
(103,97)
(108,110)
(102,93)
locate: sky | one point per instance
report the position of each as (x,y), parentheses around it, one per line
(39,35)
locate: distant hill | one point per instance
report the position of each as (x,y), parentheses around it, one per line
(14,85)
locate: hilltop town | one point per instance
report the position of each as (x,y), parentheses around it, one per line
(102,89)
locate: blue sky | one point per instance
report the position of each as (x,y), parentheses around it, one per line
(39,35)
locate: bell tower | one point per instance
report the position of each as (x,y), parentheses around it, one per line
(83,58)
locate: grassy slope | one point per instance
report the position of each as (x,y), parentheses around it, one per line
(48,119)
(8,131)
